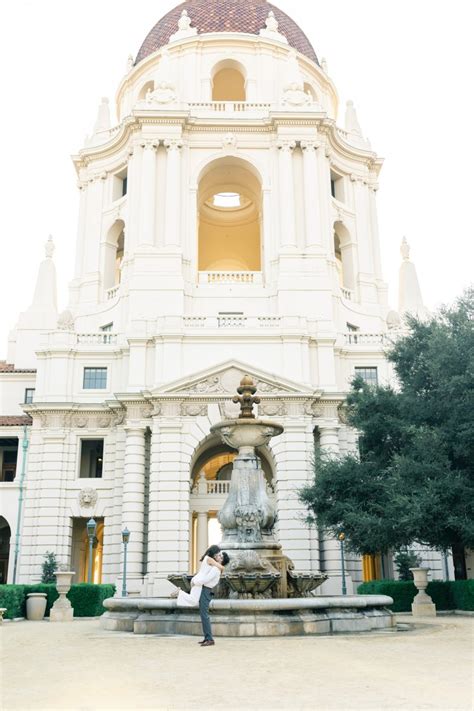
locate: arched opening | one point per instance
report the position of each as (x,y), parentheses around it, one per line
(229,203)
(114,251)
(228,81)
(308,89)
(344,254)
(5,535)
(148,86)
(80,550)
(210,482)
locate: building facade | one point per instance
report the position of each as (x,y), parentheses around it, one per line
(226,225)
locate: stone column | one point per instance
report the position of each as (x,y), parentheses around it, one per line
(201,533)
(173,192)
(168,517)
(293,450)
(330,547)
(287,196)
(311,197)
(148,192)
(133,506)
(324,193)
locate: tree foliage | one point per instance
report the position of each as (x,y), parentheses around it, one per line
(414,477)
(49,567)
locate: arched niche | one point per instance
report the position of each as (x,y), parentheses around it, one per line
(5,536)
(114,251)
(229,208)
(148,86)
(228,81)
(345,256)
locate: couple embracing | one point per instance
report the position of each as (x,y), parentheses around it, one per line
(202,585)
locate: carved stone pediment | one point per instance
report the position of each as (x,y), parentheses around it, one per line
(223,380)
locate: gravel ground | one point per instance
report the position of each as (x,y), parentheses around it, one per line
(78,666)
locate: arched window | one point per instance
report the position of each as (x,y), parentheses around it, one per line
(114,250)
(229,202)
(228,81)
(344,252)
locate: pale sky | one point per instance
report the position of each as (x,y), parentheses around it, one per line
(407,65)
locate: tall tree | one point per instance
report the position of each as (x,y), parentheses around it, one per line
(413,479)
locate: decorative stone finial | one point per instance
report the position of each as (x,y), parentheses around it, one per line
(405,249)
(352,123)
(324,65)
(129,62)
(184,28)
(49,247)
(271,29)
(246,390)
(271,23)
(184,22)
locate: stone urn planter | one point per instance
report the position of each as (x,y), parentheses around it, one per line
(35,606)
(422,605)
(62,610)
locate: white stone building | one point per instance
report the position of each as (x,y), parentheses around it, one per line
(226,225)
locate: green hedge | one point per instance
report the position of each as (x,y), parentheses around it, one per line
(446,595)
(85,598)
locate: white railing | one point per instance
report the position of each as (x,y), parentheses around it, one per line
(194,321)
(230,277)
(96,338)
(269,321)
(112,293)
(231,321)
(360,338)
(218,487)
(229,107)
(347,293)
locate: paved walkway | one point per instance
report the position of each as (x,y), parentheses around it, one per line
(77,666)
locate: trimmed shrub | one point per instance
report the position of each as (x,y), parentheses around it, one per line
(463,594)
(446,595)
(401,591)
(13,598)
(85,598)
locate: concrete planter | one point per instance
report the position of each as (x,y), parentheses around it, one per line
(62,610)
(35,606)
(422,605)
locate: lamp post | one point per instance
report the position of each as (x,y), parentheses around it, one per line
(91,529)
(125,540)
(341,538)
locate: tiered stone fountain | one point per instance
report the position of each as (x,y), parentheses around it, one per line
(260,594)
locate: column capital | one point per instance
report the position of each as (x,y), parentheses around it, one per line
(310,146)
(135,426)
(149,144)
(286,145)
(173,144)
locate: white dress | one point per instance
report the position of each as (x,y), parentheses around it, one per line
(207,575)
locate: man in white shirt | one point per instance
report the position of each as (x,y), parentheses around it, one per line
(209,577)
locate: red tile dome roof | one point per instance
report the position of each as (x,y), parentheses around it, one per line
(225,16)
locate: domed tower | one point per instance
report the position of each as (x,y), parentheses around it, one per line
(227,225)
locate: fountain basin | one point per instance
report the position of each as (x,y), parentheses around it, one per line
(242,434)
(251,585)
(252,618)
(303,584)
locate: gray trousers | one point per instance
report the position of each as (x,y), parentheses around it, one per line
(204,600)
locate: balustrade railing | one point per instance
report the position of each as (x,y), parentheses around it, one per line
(347,293)
(361,338)
(231,321)
(112,293)
(230,277)
(96,338)
(229,107)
